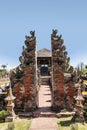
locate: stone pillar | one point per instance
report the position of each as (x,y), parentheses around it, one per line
(24,77)
(58,67)
(30,80)
(69,96)
(18,92)
(79,117)
(10,105)
(62,86)
(30,89)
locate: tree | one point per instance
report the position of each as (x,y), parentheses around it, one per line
(84,70)
(86,66)
(4,66)
(4,71)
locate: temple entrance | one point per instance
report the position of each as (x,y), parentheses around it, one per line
(44,66)
(44,71)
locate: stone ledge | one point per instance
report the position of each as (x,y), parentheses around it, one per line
(9,119)
(29,114)
(65,114)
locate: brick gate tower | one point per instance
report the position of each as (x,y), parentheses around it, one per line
(25,88)
(60,97)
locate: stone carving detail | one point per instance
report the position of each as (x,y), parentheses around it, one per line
(24,77)
(62,90)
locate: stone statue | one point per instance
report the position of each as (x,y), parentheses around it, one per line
(59,38)
(54,33)
(28,38)
(32,33)
(21,59)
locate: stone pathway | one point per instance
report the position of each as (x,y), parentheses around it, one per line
(44,96)
(44,123)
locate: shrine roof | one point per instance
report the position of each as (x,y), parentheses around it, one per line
(44,53)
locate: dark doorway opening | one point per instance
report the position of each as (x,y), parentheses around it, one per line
(44,71)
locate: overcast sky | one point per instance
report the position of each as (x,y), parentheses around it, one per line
(19,17)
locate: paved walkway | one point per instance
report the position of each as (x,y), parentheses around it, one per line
(44,123)
(44,96)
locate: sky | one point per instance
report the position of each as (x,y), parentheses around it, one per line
(19,17)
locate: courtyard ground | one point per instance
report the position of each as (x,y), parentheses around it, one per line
(50,122)
(47,121)
(44,123)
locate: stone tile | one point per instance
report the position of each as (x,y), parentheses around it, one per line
(42,123)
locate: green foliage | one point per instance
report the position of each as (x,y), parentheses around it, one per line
(3,71)
(22,125)
(84,71)
(85,113)
(3,66)
(67,124)
(64,123)
(17,124)
(3,114)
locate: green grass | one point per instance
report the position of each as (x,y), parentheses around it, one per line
(66,124)
(19,124)
(3,126)
(22,125)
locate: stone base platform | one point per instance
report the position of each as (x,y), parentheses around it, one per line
(40,113)
(65,114)
(36,114)
(44,114)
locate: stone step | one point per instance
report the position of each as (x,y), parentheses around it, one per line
(36,114)
(25,115)
(45,80)
(44,114)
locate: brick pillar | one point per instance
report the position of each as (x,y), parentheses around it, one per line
(58,66)
(30,79)
(30,90)
(17,93)
(58,91)
(26,76)
(69,101)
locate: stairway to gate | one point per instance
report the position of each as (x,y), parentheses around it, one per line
(45,101)
(45,80)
